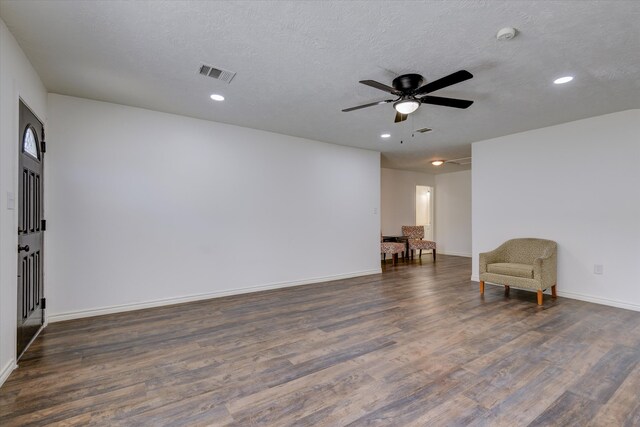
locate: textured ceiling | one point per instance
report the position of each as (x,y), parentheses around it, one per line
(299,63)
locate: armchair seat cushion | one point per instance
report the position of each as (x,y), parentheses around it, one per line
(421,244)
(511,269)
(391,248)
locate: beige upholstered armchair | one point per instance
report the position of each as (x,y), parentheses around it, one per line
(524,263)
(415,233)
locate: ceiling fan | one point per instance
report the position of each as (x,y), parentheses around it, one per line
(410,93)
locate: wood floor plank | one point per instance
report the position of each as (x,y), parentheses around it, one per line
(606,376)
(522,404)
(568,410)
(416,345)
(459,411)
(284,403)
(418,404)
(623,404)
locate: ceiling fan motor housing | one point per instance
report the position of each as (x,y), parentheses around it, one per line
(407,82)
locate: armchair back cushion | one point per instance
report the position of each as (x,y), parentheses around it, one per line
(525,251)
(413,231)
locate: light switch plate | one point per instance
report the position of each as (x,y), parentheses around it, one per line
(598,269)
(11,201)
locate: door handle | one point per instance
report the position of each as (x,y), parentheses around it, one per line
(23,248)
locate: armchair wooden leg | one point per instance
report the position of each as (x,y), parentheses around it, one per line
(482,287)
(420,253)
(384,257)
(434,255)
(506,290)
(553,292)
(412,251)
(540,296)
(394,257)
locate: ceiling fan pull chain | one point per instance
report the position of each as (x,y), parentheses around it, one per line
(412,127)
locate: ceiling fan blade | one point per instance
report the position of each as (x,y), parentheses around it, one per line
(400,117)
(380,86)
(447,102)
(346,110)
(451,79)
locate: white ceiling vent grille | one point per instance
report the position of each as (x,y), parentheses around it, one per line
(424,130)
(462,161)
(217,73)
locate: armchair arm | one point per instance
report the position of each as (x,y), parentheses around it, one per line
(545,269)
(491,257)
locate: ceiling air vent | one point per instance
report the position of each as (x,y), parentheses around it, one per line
(217,73)
(424,130)
(462,161)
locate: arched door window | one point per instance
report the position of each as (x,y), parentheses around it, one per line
(30,143)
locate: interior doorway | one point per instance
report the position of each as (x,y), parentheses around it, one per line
(424,209)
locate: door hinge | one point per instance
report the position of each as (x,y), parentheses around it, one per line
(43,303)
(43,224)
(43,146)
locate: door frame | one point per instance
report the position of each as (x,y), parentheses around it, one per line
(432,191)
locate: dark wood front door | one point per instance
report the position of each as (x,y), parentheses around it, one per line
(30,228)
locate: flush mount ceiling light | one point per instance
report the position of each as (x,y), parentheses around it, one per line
(406,106)
(437,162)
(385,135)
(563,80)
(217,97)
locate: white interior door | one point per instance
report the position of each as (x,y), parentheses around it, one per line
(424,209)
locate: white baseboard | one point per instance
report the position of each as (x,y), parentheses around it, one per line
(599,300)
(588,298)
(464,254)
(59,317)
(6,370)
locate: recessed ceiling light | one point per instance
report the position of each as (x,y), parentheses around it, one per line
(385,135)
(563,80)
(437,162)
(217,97)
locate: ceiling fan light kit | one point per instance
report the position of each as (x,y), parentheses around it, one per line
(406,106)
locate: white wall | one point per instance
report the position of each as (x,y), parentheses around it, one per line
(453,213)
(576,183)
(18,80)
(398,198)
(145,207)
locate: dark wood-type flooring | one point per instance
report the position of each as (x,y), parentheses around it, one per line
(416,345)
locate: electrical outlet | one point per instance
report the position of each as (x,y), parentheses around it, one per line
(598,269)
(375,211)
